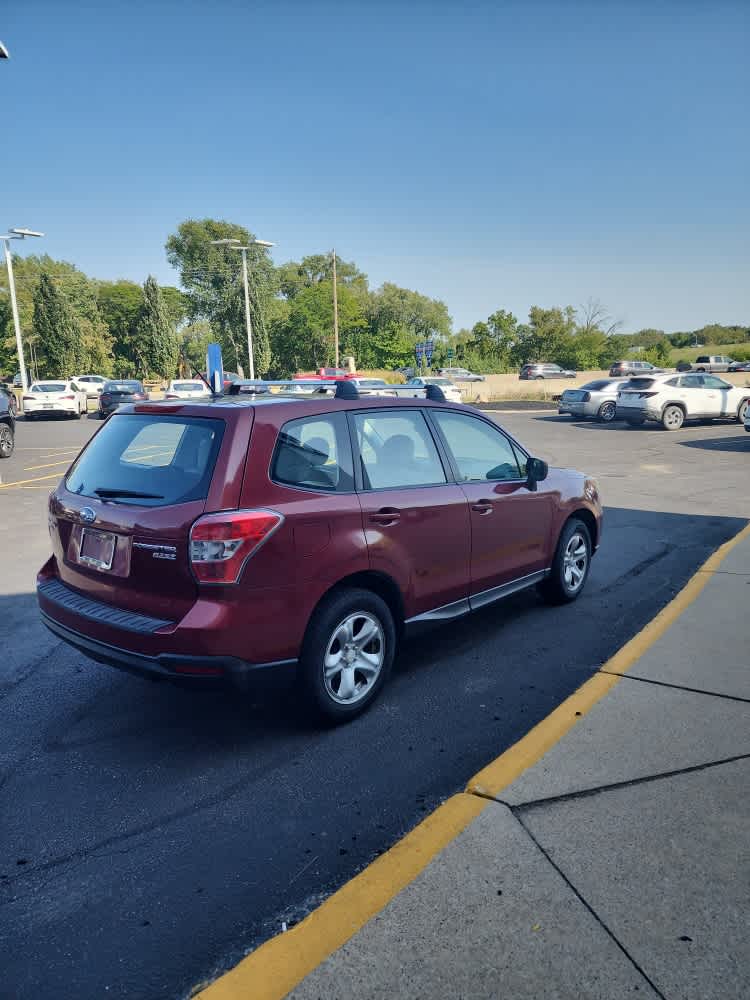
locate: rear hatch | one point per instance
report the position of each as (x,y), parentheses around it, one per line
(636,390)
(121,392)
(47,397)
(120,522)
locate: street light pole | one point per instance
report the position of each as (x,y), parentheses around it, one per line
(235,244)
(16,234)
(248,324)
(335,314)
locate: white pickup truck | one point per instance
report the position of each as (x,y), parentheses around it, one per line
(712,363)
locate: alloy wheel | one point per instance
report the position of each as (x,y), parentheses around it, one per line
(575,562)
(354,657)
(6,441)
(607,412)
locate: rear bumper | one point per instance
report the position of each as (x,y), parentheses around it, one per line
(192,671)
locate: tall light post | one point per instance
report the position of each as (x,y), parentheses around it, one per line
(16,234)
(335,313)
(235,244)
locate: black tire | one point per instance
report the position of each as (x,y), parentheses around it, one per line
(329,617)
(559,588)
(7,440)
(742,411)
(700,369)
(673,417)
(607,412)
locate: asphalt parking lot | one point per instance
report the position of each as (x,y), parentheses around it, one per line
(151,836)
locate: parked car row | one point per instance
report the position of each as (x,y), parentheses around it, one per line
(667,398)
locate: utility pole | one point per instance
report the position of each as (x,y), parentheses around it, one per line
(335,314)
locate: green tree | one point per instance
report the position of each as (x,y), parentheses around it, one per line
(58,333)
(156,345)
(212,279)
(302,337)
(546,337)
(294,276)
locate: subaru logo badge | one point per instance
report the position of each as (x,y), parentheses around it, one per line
(87,515)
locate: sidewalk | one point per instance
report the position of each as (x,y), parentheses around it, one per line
(617,865)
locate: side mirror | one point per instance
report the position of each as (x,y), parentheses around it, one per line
(536,471)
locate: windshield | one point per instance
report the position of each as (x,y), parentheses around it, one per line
(189,386)
(49,387)
(149,459)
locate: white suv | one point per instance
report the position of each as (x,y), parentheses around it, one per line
(673,399)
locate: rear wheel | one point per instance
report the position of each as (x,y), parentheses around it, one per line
(347,653)
(741,413)
(607,412)
(672,418)
(6,441)
(539,378)
(570,567)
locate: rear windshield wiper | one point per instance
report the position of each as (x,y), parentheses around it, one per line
(111,494)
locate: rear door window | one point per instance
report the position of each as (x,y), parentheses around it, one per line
(397,449)
(314,453)
(155,461)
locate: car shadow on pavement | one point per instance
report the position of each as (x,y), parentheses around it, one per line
(597,425)
(739,442)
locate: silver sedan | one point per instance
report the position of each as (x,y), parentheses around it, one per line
(596,399)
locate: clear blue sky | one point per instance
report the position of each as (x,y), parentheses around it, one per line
(494,155)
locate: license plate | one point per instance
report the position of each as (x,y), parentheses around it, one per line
(46,406)
(97,548)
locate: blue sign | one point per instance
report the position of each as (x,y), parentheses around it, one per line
(215,368)
(419,349)
(428,349)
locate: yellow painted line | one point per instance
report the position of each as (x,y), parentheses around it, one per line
(278,965)
(23,482)
(274,969)
(49,465)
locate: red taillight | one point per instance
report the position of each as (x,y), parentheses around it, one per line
(171,395)
(29,399)
(67,397)
(220,544)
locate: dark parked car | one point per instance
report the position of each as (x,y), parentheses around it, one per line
(620,369)
(536,371)
(11,397)
(119,391)
(207,541)
(7,426)
(740,366)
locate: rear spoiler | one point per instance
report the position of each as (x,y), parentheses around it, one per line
(342,389)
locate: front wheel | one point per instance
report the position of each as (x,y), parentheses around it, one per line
(607,412)
(673,418)
(347,653)
(571,564)
(6,441)
(742,412)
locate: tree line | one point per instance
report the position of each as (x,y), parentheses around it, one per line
(73,323)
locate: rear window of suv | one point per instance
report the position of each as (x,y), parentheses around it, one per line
(154,461)
(639,383)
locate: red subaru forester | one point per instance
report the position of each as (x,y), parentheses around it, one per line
(212,540)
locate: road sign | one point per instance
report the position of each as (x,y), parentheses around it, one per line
(428,349)
(450,354)
(419,350)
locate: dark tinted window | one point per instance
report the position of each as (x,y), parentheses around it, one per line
(124,385)
(314,453)
(639,383)
(599,384)
(171,459)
